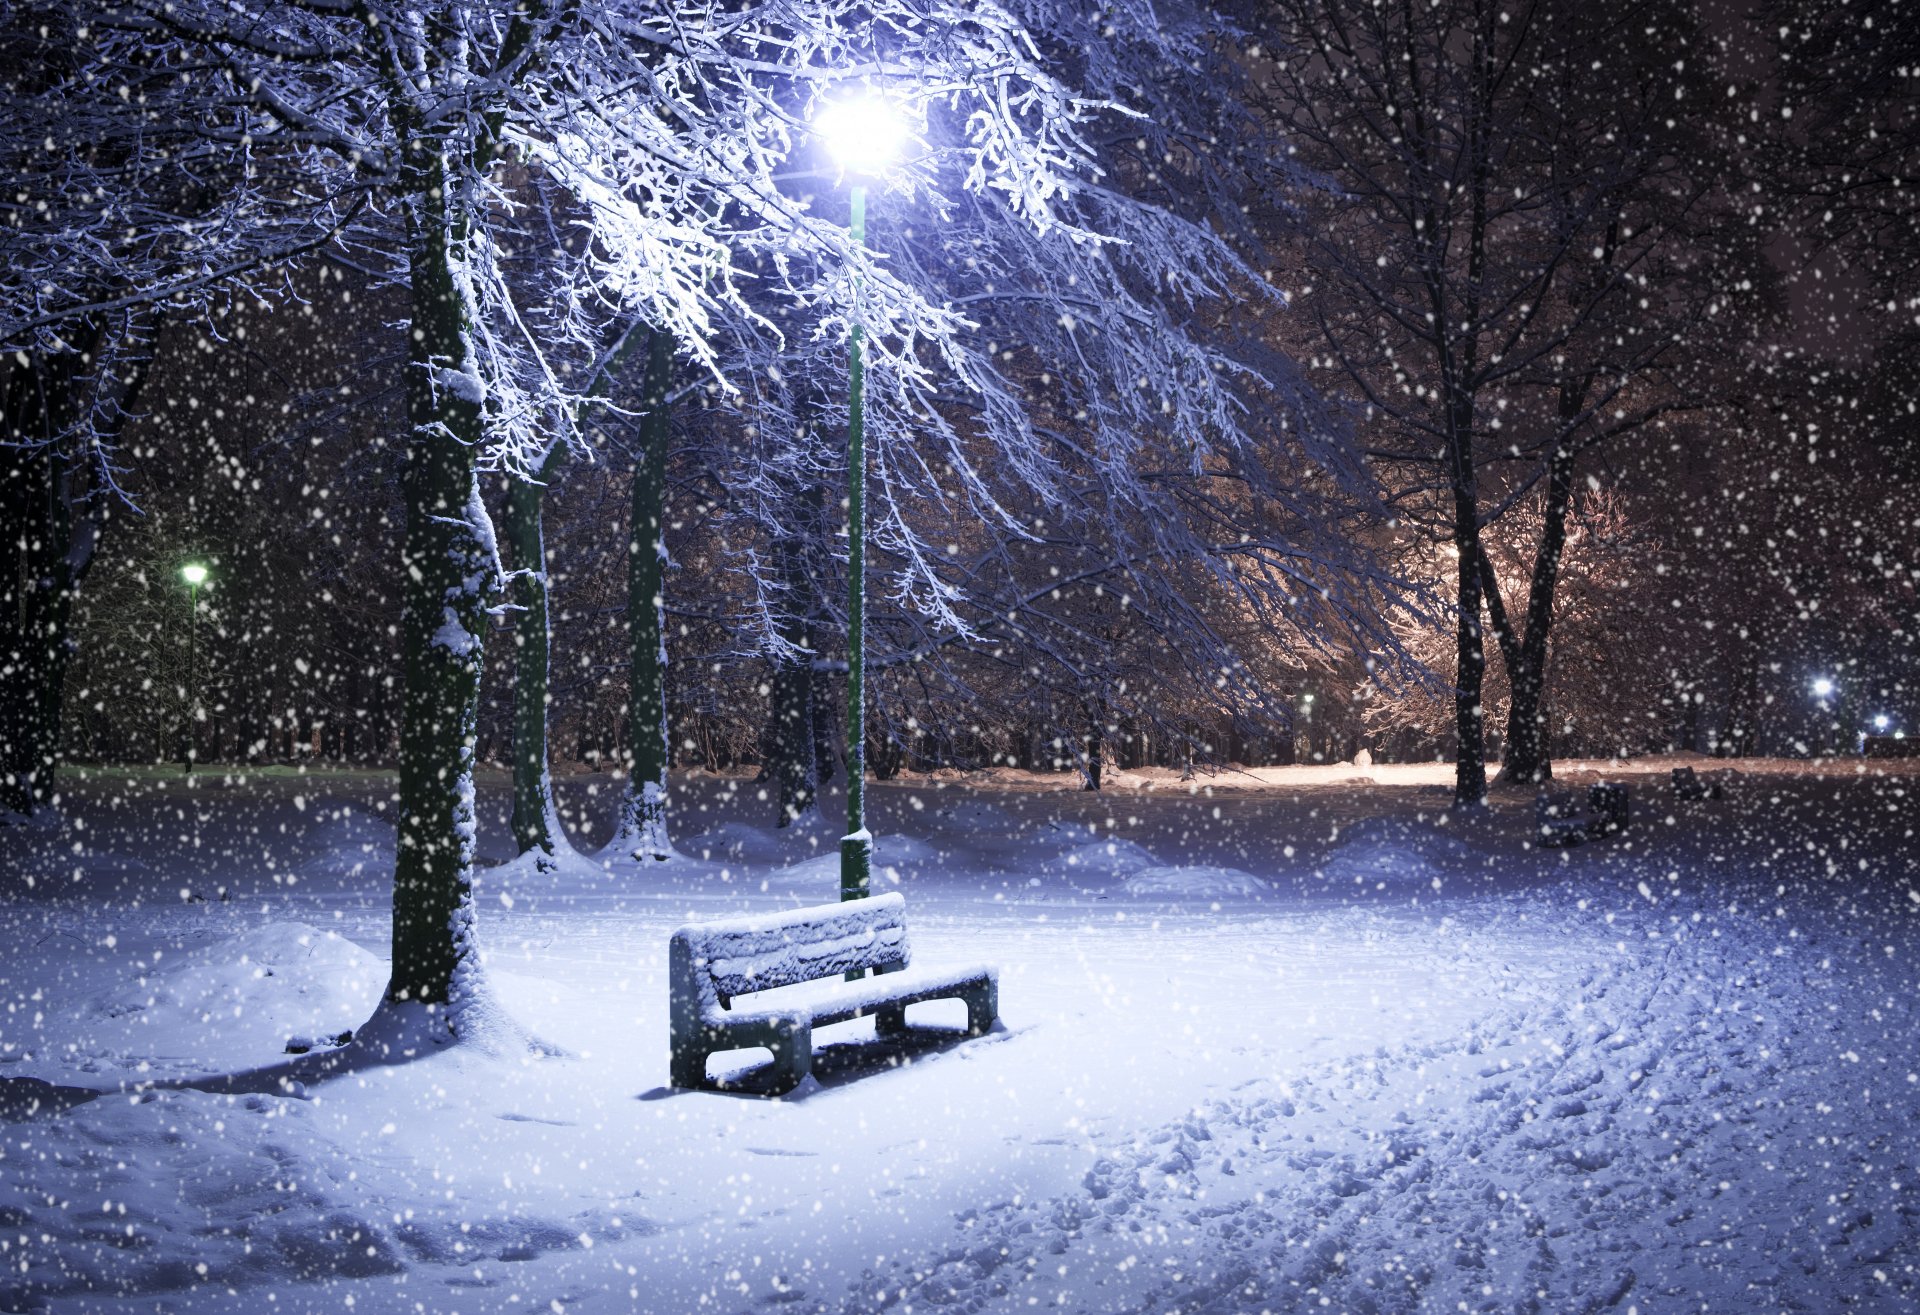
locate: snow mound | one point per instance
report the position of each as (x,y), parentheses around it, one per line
(239,1000)
(895,859)
(1101,859)
(530,880)
(41,819)
(1390,851)
(742,842)
(1199,882)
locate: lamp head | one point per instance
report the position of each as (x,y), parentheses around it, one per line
(1882,721)
(1822,687)
(194,574)
(864,133)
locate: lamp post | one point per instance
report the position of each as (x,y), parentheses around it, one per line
(195,574)
(864,135)
(1823,690)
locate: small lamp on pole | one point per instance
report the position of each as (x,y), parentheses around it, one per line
(195,574)
(864,135)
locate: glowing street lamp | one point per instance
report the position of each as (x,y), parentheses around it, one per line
(1881,722)
(195,574)
(864,135)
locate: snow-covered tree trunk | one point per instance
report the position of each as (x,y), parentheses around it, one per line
(536,823)
(642,829)
(451,568)
(536,826)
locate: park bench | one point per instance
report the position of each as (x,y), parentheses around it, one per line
(712,967)
(1687,785)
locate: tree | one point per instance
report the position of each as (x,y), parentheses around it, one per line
(641,831)
(1512,269)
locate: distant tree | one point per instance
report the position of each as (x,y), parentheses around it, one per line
(1509,268)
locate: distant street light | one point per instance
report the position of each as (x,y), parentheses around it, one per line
(195,574)
(864,134)
(1822,687)
(1881,722)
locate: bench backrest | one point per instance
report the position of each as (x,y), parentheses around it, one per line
(737,956)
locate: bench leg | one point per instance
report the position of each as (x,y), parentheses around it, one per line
(688,1067)
(890,1021)
(983,1007)
(792,1057)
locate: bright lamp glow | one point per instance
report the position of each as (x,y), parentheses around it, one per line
(1881,722)
(1822,687)
(194,574)
(864,133)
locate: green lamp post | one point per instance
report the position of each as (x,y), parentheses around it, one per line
(195,574)
(864,136)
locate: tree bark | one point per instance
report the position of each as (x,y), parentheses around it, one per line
(536,823)
(793,762)
(1096,711)
(536,826)
(1529,746)
(451,567)
(793,758)
(1469,722)
(642,830)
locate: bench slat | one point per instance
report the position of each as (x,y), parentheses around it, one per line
(743,955)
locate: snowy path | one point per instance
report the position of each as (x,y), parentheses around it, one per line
(1653,1079)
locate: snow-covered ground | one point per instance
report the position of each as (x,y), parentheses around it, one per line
(1292,1041)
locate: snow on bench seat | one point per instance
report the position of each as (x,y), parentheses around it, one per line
(712,964)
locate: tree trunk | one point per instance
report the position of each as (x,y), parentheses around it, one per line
(642,830)
(1096,710)
(793,759)
(536,826)
(450,569)
(826,726)
(1529,746)
(1470,760)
